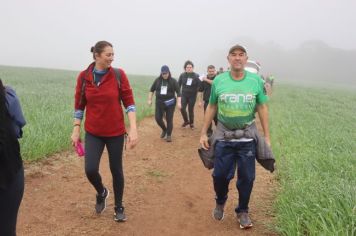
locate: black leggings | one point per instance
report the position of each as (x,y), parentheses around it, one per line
(10,199)
(190,101)
(163,111)
(94,147)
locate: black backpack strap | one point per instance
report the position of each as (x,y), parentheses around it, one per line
(118,76)
(82,90)
(118,79)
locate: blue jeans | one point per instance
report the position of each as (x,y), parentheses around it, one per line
(227,156)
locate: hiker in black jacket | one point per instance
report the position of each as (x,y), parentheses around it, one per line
(166,89)
(189,83)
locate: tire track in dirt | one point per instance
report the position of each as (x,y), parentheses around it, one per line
(167,192)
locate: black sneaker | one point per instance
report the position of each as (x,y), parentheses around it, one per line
(192,126)
(169,138)
(101,201)
(119,214)
(163,134)
(244,219)
(185,124)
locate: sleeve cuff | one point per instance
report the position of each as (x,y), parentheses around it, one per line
(131,108)
(78,114)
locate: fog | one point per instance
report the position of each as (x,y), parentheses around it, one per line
(292,39)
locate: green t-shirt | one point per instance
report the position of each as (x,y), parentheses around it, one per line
(237,99)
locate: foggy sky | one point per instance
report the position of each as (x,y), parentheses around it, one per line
(148,34)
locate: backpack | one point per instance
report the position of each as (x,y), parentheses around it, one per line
(117,77)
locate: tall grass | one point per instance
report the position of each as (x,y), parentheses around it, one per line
(314,138)
(47,98)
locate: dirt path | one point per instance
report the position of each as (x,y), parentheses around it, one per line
(167,192)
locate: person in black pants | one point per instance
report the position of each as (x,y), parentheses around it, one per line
(189,83)
(166,89)
(204,89)
(11,167)
(100,92)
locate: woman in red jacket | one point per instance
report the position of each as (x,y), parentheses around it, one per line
(99,93)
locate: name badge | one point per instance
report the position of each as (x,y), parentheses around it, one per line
(163,90)
(189,81)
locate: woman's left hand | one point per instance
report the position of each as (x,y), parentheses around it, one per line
(132,139)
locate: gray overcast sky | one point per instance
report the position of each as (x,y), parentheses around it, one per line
(147,34)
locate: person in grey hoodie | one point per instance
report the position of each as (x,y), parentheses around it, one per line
(11,167)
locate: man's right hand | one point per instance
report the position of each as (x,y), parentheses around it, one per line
(204,141)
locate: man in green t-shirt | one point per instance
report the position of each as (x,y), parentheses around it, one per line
(235,97)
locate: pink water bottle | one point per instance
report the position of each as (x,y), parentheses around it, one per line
(79,148)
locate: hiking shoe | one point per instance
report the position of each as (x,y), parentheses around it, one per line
(169,138)
(218,212)
(163,134)
(191,126)
(101,201)
(244,219)
(185,124)
(119,214)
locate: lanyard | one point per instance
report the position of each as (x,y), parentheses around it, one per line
(163,84)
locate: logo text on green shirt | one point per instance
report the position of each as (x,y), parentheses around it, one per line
(237,98)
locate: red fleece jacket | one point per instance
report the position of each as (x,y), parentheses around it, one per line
(103,112)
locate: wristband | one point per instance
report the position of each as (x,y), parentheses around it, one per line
(76,125)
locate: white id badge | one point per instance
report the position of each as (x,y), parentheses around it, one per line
(163,90)
(189,81)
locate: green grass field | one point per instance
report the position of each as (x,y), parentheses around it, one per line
(47,99)
(314,138)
